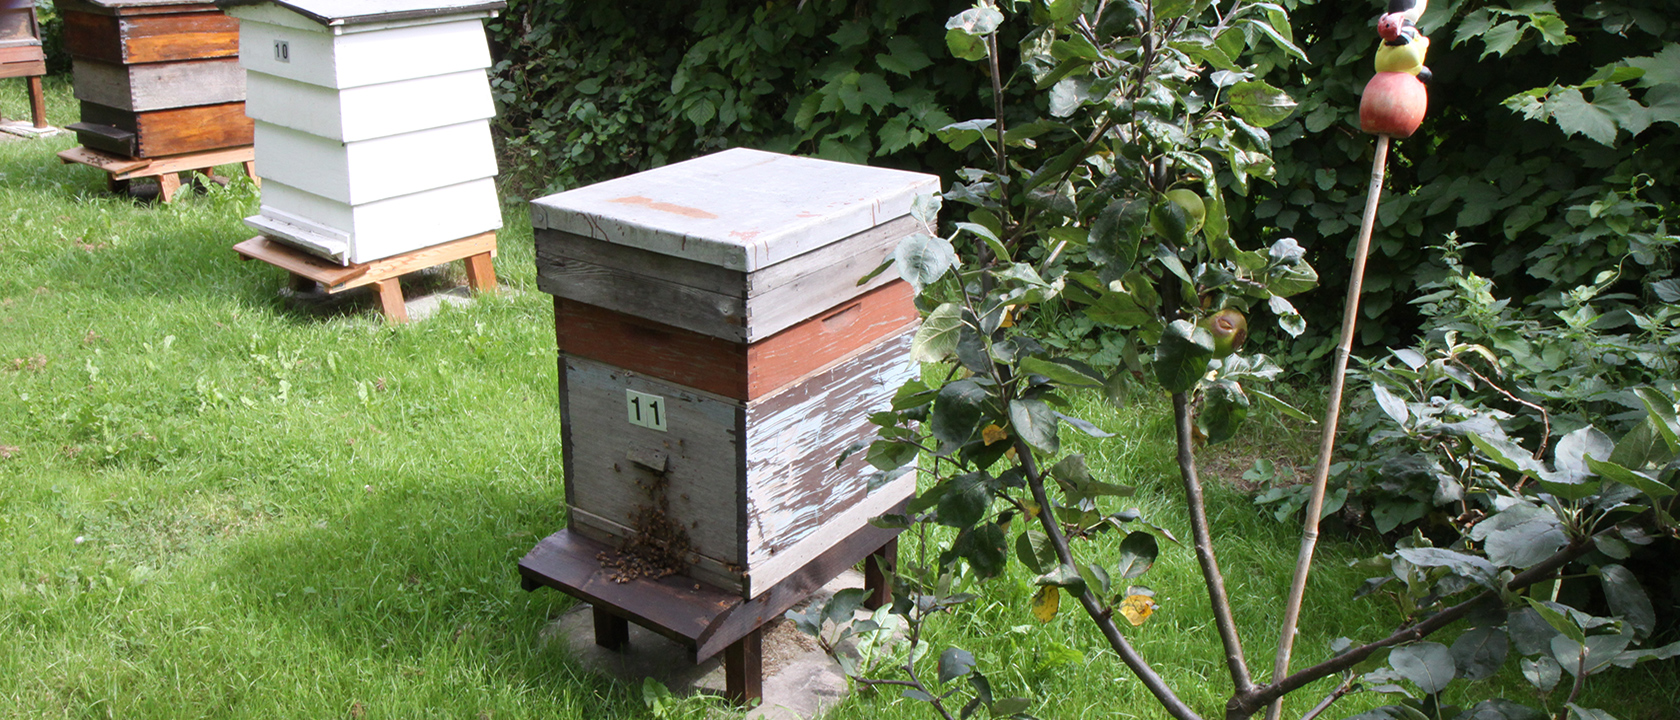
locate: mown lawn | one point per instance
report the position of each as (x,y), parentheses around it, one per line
(216,504)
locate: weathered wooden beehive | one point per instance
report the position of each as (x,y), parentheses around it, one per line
(373,133)
(155,77)
(717,354)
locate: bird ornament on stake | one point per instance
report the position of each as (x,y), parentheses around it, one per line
(1392,106)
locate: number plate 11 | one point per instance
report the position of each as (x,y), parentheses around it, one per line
(645,410)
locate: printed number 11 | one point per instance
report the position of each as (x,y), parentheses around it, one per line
(645,410)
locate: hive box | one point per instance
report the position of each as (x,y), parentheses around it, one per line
(20,40)
(717,354)
(372,117)
(155,77)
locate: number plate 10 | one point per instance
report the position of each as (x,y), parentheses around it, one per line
(645,410)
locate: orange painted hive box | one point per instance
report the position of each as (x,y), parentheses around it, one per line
(156,77)
(717,354)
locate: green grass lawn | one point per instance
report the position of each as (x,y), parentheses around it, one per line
(214,504)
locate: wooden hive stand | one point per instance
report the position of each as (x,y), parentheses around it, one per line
(167,170)
(705,618)
(308,270)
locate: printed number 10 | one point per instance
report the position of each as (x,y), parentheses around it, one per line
(645,410)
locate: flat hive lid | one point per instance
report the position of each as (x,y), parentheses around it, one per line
(118,4)
(356,12)
(740,209)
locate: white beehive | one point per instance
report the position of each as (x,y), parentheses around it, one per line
(372,122)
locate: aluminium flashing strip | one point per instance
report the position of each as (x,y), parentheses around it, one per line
(340,13)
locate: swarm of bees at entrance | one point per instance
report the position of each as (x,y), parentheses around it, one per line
(659,548)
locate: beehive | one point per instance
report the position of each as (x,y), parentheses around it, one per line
(372,122)
(717,354)
(155,77)
(20,40)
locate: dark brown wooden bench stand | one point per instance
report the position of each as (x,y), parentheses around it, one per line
(167,170)
(706,619)
(309,270)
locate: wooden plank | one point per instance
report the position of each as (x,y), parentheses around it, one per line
(115,141)
(657,267)
(611,631)
(676,607)
(793,438)
(175,131)
(481,273)
(843,551)
(743,663)
(22,54)
(114,164)
(37,102)
(398,265)
(159,86)
(297,262)
(89,35)
(23,69)
(842,330)
(651,348)
(183,163)
(391,300)
(135,7)
(179,36)
(878,571)
(797,289)
(701,443)
(633,293)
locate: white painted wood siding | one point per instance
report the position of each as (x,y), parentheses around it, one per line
(384,228)
(372,170)
(370,111)
(363,58)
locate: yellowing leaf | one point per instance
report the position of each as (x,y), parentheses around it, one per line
(1047,601)
(1137,608)
(992,433)
(1008,317)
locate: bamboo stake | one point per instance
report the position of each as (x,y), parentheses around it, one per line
(1332,416)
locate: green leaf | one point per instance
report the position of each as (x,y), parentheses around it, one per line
(1276,37)
(1064,576)
(1542,672)
(1391,405)
(1137,554)
(1430,666)
(1224,408)
(1628,599)
(1116,232)
(1035,423)
(1480,652)
(1507,453)
(1520,536)
(1034,550)
(1260,103)
(897,134)
(1499,39)
(890,454)
(985,549)
(1574,115)
(904,57)
(923,259)
(1631,478)
(1182,355)
(1661,412)
(958,411)
(874,90)
(1473,568)
(965,501)
(1067,373)
(963,134)
(1558,620)
(937,338)
(1279,405)
(1662,68)
(954,663)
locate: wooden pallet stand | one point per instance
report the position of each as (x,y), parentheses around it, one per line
(21,54)
(707,619)
(167,170)
(307,270)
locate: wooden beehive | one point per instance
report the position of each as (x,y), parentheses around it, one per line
(20,40)
(155,77)
(717,354)
(373,132)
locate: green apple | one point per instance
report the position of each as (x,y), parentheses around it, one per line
(1195,211)
(1230,330)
